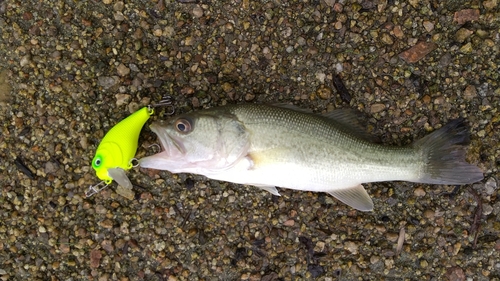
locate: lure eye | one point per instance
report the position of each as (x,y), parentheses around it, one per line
(97,162)
(183,126)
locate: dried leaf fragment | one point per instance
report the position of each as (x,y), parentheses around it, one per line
(401,240)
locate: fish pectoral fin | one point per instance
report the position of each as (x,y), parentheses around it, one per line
(269,188)
(266,158)
(355,196)
(118,175)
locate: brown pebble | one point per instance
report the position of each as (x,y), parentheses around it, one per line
(455,274)
(429,214)
(187,90)
(227,87)
(107,245)
(466,15)
(426,99)
(429,26)
(64,247)
(377,107)
(330,3)
(462,34)
(95,258)
(289,223)
(125,192)
(392,237)
(417,52)
(249,96)
(211,77)
(419,192)
(338,7)
(351,247)
(439,100)
(324,92)
(195,102)
(470,92)
(490,4)
(106,224)
(398,32)
(122,70)
(197,12)
(122,99)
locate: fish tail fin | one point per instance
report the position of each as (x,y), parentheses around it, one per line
(444,156)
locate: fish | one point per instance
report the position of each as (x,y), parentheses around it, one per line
(117,149)
(268,146)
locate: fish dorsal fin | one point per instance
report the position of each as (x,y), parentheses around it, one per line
(349,120)
(292,107)
(118,175)
(355,196)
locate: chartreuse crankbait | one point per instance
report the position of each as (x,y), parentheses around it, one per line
(117,149)
(115,154)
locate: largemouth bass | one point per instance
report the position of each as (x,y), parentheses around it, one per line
(268,146)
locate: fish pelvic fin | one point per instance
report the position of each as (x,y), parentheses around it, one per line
(355,196)
(269,188)
(443,154)
(118,175)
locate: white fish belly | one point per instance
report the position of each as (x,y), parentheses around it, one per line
(318,177)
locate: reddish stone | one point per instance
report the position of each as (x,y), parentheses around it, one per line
(455,274)
(466,15)
(417,52)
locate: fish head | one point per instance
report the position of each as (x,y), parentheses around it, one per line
(198,142)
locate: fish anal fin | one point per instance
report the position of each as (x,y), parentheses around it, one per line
(119,175)
(355,196)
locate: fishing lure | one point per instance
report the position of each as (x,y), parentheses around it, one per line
(115,154)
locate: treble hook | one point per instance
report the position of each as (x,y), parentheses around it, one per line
(166,101)
(94,189)
(155,145)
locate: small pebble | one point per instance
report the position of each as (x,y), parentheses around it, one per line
(490,186)
(352,247)
(462,34)
(377,107)
(429,26)
(197,11)
(122,99)
(419,192)
(324,92)
(125,192)
(122,70)
(429,214)
(106,82)
(470,92)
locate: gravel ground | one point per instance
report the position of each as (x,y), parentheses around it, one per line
(70,70)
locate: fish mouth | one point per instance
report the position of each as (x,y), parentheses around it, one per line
(171,145)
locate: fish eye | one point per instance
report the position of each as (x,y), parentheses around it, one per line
(183,126)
